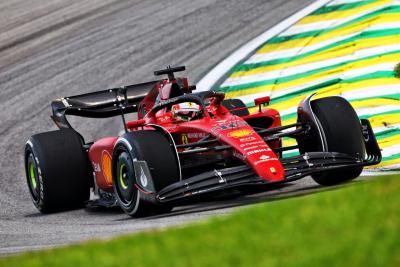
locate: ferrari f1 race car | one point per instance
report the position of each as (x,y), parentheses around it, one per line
(187,146)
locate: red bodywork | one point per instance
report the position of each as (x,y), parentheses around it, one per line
(218,121)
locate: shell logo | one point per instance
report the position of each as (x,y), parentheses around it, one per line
(106,166)
(240,133)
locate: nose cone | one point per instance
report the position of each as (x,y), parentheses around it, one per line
(259,155)
(267,165)
(251,148)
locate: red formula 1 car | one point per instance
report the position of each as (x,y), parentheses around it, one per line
(184,146)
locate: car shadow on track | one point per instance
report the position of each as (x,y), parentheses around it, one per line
(230,200)
(276,193)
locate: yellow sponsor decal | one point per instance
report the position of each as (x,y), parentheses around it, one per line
(240,133)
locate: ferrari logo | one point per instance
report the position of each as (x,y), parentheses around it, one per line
(240,133)
(185,139)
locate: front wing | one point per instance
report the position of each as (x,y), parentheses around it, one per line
(295,168)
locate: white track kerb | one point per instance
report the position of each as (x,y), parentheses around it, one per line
(212,78)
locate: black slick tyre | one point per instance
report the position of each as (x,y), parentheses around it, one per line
(343,132)
(58,171)
(154,148)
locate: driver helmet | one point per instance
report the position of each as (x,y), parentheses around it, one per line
(185,111)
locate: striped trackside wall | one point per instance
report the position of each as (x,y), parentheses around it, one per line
(348,48)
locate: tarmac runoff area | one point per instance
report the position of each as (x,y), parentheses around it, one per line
(60,48)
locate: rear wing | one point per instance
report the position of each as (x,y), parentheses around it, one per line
(100,104)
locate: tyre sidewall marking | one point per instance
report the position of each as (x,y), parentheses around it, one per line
(40,201)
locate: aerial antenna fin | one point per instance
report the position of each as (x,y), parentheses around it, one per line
(170,71)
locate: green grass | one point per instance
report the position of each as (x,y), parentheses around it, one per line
(356,225)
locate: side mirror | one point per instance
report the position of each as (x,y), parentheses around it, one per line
(262,101)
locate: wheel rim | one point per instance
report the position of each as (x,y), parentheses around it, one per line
(33,177)
(123,176)
(125,179)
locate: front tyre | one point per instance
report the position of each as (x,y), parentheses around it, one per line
(155,149)
(343,133)
(129,196)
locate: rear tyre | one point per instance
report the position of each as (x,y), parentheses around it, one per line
(58,171)
(235,103)
(343,134)
(154,148)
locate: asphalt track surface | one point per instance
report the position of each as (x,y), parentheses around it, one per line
(50,49)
